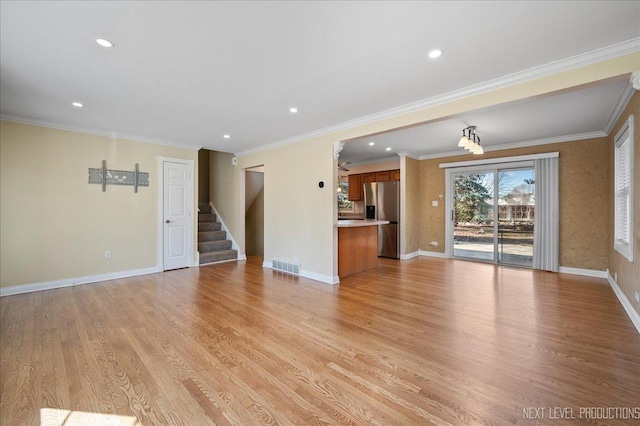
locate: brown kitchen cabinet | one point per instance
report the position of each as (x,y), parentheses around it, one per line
(357,249)
(355,188)
(383,176)
(368,177)
(356,191)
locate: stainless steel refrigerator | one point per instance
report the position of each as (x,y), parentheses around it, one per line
(382,202)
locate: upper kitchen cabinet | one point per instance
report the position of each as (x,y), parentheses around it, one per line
(383,176)
(368,177)
(355,188)
(356,182)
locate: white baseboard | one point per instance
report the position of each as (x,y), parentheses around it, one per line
(70,282)
(326,279)
(563,269)
(433,254)
(624,301)
(409,255)
(584,272)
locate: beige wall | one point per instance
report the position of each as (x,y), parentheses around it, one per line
(254,226)
(431,220)
(628,272)
(226,194)
(298,215)
(584,200)
(410,179)
(57,226)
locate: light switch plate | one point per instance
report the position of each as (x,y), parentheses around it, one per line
(434,203)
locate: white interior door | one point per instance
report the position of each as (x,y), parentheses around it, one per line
(177,215)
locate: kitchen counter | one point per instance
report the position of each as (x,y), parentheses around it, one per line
(350,217)
(352,223)
(357,245)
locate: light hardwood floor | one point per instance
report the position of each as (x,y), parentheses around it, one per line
(423,341)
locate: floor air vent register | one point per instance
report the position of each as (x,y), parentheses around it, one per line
(289,268)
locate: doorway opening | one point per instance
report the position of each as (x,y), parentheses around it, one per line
(493,215)
(254,211)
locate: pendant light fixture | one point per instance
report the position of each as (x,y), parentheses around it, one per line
(470,140)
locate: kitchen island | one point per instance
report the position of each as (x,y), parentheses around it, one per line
(357,245)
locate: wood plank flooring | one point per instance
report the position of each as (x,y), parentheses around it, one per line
(423,341)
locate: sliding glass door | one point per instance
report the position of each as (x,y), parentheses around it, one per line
(516,213)
(493,215)
(473,224)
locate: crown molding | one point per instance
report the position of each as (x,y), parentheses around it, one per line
(567,64)
(283,142)
(624,99)
(446,154)
(521,144)
(406,154)
(42,123)
(376,161)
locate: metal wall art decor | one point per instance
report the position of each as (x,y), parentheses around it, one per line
(118,177)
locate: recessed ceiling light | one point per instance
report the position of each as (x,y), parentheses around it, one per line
(435,53)
(388,148)
(104,43)
(372,143)
(226,136)
(293,110)
(77,104)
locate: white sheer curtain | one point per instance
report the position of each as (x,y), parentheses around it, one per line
(546,232)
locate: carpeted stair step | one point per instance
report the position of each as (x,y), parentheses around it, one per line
(216,245)
(211,236)
(218,256)
(204,217)
(209,226)
(213,245)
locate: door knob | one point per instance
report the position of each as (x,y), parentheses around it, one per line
(168,221)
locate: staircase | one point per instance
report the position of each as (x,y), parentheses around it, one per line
(212,241)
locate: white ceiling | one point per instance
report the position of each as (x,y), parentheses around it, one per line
(189,72)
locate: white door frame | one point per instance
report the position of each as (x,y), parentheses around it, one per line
(190,198)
